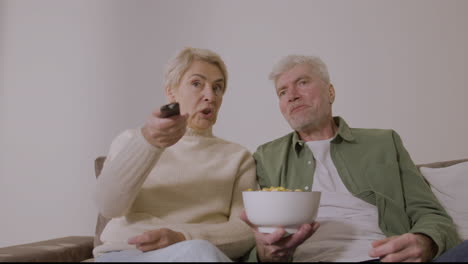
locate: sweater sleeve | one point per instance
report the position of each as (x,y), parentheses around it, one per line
(127,165)
(234,237)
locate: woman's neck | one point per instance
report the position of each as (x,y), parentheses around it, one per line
(196,132)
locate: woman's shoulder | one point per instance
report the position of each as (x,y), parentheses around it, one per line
(123,138)
(232,146)
(126,135)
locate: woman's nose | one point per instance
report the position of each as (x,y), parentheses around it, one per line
(208,94)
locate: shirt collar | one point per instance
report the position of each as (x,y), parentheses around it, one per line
(343,133)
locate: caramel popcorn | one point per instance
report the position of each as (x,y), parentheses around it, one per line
(275,189)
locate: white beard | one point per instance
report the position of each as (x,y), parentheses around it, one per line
(309,120)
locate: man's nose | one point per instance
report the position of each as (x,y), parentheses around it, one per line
(293,95)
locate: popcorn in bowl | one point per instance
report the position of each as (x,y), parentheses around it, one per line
(275,189)
(273,207)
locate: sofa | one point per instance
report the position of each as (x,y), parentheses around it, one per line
(448,181)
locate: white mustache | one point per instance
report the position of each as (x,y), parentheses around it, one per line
(290,108)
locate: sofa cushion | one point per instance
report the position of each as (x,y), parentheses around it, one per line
(101,220)
(441,164)
(450,186)
(64,249)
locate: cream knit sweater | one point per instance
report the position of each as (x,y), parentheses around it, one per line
(193,187)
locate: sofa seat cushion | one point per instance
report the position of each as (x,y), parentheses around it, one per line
(65,249)
(450,186)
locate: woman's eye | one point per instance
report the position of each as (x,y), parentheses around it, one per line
(196,84)
(217,88)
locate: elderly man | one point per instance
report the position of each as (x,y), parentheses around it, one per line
(375,204)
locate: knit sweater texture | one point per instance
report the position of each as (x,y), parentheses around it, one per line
(193,187)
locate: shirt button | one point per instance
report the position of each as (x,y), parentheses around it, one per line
(309,162)
(307,188)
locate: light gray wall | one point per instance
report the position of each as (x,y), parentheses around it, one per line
(76,73)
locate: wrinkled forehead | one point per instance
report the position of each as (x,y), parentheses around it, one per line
(294,74)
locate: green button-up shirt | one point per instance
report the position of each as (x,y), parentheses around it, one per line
(375,167)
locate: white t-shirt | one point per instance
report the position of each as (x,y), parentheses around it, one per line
(348,225)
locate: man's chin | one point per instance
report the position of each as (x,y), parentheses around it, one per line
(297,124)
(302,125)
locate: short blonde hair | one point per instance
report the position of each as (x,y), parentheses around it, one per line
(288,62)
(178,65)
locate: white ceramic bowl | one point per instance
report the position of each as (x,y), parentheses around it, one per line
(269,210)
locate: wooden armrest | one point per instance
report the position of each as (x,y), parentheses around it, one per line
(65,249)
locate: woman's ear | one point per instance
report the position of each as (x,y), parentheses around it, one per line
(331,93)
(170,94)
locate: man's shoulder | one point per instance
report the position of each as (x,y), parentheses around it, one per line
(372,132)
(362,135)
(275,145)
(285,141)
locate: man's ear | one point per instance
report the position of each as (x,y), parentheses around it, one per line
(170,94)
(331,93)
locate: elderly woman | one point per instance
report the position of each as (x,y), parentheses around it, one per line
(173,189)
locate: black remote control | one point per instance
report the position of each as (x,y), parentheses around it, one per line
(169,110)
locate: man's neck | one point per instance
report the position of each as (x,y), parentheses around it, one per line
(325,131)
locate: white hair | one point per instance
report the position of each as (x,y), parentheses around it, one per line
(178,65)
(288,62)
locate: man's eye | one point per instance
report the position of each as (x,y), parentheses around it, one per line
(281,93)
